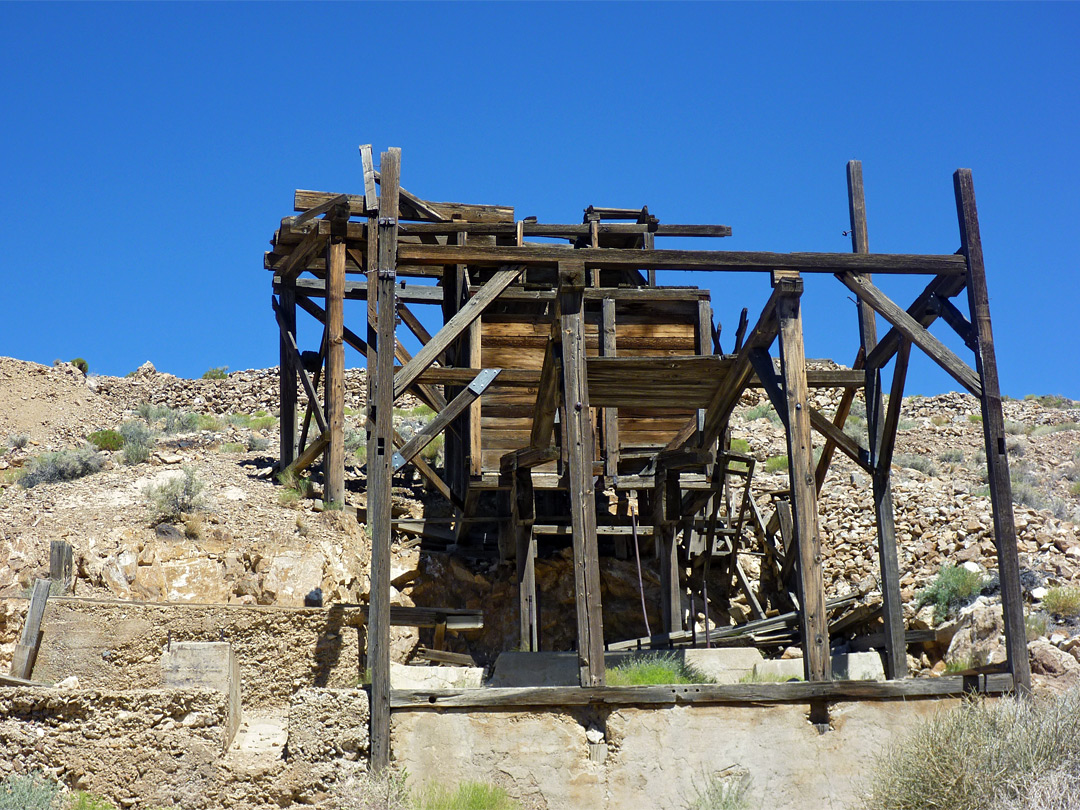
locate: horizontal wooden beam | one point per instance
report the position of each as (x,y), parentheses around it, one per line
(560,231)
(303,200)
(644,295)
(358,291)
(714,260)
(791,692)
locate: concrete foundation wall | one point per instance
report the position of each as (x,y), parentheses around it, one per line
(654,757)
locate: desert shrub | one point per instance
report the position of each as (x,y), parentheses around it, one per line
(151,413)
(983,755)
(1015,428)
(952,586)
(180,422)
(1074,489)
(81,365)
(855,427)
(915,462)
(63,465)
(233,447)
(740,446)
(257,442)
(106,439)
(138,442)
(776,464)
(262,422)
(1051,401)
(951,456)
(172,498)
(647,670)
(81,800)
(726,790)
(17,441)
(939,421)
(1044,430)
(385,790)
(29,792)
(465,796)
(1035,625)
(763,411)
(1015,448)
(1062,601)
(975,417)
(295,487)
(218,373)
(207,421)
(906,424)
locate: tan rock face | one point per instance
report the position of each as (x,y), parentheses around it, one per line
(197,580)
(292,576)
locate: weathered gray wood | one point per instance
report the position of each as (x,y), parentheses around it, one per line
(547,393)
(891,425)
(741,693)
(884,520)
(704,260)
(321,208)
(914,331)
(22,661)
(61,566)
(557,231)
(370,202)
(304,199)
(523,513)
(311,453)
(610,416)
(579,448)
(380,444)
(286,379)
(410,320)
(358,291)
(843,409)
(850,448)
(997,464)
(454,327)
(813,619)
(423,437)
(334,385)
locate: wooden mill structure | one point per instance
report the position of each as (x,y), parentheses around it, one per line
(563,375)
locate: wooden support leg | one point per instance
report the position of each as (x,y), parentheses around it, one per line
(287,379)
(665,513)
(579,434)
(380,448)
(523,510)
(888,564)
(61,565)
(334,387)
(814,621)
(997,465)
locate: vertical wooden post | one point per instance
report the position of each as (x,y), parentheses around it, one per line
(61,565)
(892,611)
(524,513)
(817,662)
(380,451)
(579,436)
(997,464)
(287,378)
(476,456)
(610,416)
(334,387)
(22,660)
(665,514)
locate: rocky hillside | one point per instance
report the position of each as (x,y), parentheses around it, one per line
(246,539)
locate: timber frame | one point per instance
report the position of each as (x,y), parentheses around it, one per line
(558,412)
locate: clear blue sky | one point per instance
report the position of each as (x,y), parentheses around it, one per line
(150,149)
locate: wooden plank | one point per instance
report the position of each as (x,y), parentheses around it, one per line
(334,387)
(358,291)
(474,357)
(884,455)
(523,514)
(678,694)
(997,464)
(726,396)
(22,661)
(381,411)
(528,458)
(884,519)
(61,565)
(321,208)
(813,618)
(444,657)
(610,416)
(293,264)
(303,199)
(547,393)
(579,447)
(850,448)
(704,260)
(560,231)
(665,515)
(286,378)
(423,437)
(914,331)
(454,327)
(370,200)
(311,453)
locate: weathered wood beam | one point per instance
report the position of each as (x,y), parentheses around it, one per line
(847,445)
(843,409)
(547,393)
(370,202)
(706,260)
(579,435)
(555,231)
(334,385)
(304,199)
(286,378)
(813,617)
(609,416)
(924,309)
(527,458)
(358,291)
(321,208)
(454,327)
(25,654)
(523,513)
(913,331)
(884,520)
(884,455)
(423,437)
(380,442)
(311,453)
(410,320)
(997,464)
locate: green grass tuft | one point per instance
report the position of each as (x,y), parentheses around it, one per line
(106,439)
(915,462)
(726,790)
(952,586)
(81,800)
(465,796)
(1062,601)
(776,464)
(650,670)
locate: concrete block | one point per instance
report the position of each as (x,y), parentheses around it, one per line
(858,666)
(780,669)
(205,665)
(723,665)
(403,676)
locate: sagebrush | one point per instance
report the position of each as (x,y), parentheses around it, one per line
(63,465)
(32,791)
(170,499)
(951,587)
